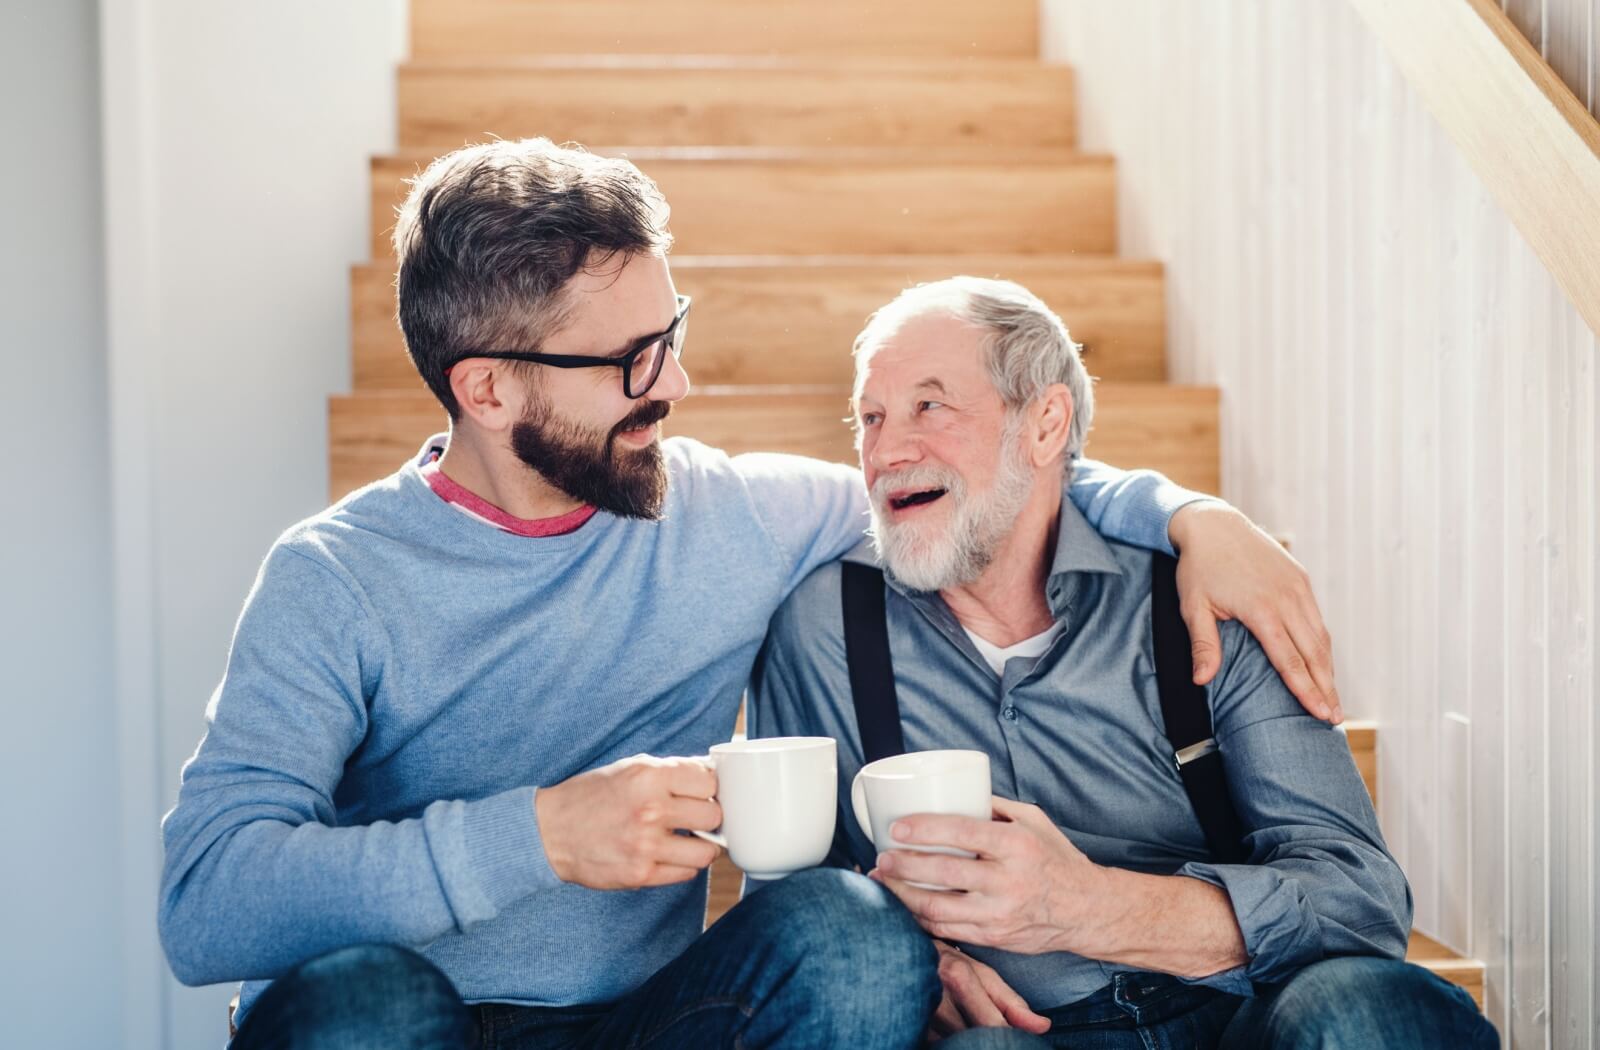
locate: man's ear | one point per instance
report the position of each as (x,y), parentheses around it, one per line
(1052,424)
(486,394)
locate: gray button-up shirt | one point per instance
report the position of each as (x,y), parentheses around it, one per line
(1079,733)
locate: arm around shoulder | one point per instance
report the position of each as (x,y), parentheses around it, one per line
(1130,506)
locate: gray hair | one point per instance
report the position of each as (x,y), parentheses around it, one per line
(1029,348)
(490,235)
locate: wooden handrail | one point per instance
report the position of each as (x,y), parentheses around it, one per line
(1523,131)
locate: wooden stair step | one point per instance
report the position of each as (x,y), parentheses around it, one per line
(781,320)
(1173,429)
(858,202)
(1363,740)
(818,27)
(723,101)
(1431,955)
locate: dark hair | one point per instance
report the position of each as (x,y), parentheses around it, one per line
(490,235)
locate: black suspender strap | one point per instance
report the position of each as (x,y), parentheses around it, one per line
(1185,710)
(866,647)
(1187,714)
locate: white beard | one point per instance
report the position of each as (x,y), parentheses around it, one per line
(932,557)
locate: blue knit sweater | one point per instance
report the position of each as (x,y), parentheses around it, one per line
(404,676)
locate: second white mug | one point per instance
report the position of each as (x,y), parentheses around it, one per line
(954,782)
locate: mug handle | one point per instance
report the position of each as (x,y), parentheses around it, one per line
(858,803)
(716,838)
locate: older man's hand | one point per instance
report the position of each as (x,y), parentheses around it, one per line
(977,997)
(1029,889)
(1229,569)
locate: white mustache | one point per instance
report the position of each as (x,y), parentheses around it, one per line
(916,478)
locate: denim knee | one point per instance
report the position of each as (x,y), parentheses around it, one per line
(855,946)
(1371,1002)
(370,995)
(993,1039)
(377,966)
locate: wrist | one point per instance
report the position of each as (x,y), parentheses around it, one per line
(546,808)
(1101,900)
(1082,896)
(1192,517)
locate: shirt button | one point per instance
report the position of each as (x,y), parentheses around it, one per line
(1009,714)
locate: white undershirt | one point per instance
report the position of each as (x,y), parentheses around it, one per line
(1030,648)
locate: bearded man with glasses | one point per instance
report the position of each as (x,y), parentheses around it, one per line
(441,799)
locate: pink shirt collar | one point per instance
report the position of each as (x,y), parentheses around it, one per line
(471,503)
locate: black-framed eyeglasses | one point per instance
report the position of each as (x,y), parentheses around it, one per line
(640,363)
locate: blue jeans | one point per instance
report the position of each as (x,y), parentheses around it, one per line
(823,958)
(1370,1004)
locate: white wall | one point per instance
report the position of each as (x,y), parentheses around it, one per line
(59,906)
(237,143)
(1407,394)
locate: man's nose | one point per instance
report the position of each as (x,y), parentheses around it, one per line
(673,382)
(894,445)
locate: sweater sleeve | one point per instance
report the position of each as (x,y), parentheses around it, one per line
(1129,506)
(258,875)
(813,511)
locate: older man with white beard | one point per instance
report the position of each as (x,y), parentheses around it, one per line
(1163,882)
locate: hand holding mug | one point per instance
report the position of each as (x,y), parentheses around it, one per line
(615,827)
(1024,886)
(779,799)
(954,783)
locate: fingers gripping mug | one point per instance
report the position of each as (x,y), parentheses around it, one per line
(952,782)
(780,800)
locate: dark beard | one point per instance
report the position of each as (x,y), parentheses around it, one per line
(588,466)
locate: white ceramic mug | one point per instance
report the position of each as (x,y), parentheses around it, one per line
(780,800)
(954,782)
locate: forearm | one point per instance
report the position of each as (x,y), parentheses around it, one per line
(247,895)
(1167,923)
(1137,507)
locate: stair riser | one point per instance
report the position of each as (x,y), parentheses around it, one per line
(1173,429)
(840,28)
(985,107)
(795,324)
(737,207)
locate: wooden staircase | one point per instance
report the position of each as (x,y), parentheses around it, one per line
(817,158)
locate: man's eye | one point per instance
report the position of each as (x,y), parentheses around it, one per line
(923,406)
(869,419)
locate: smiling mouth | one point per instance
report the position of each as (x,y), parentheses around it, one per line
(915,499)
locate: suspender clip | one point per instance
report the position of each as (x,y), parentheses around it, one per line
(1205,747)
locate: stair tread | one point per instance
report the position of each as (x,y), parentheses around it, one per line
(703,99)
(946,27)
(1170,427)
(773,319)
(831,156)
(727,202)
(1426,951)
(591,61)
(1085,261)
